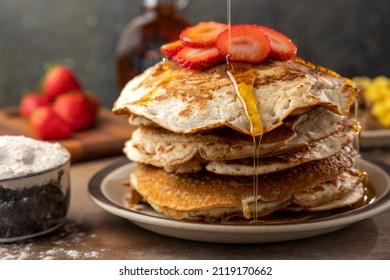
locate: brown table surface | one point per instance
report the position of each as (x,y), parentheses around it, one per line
(92,233)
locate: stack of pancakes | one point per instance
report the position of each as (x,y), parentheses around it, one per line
(198,158)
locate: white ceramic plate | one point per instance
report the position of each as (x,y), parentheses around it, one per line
(375,138)
(107,191)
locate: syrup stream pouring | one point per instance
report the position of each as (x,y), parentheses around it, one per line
(243,82)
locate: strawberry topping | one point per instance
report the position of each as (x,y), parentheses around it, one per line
(282,48)
(171,49)
(248,44)
(198,58)
(202,35)
(210,43)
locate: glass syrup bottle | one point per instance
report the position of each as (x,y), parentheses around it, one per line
(139,43)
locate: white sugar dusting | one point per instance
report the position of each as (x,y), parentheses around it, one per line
(70,243)
(73,254)
(20,156)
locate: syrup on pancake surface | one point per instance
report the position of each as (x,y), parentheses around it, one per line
(200,116)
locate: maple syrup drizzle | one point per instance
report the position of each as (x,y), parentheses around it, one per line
(165,60)
(256,163)
(322,69)
(358,129)
(243,87)
(229,23)
(243,81)
(165,80)
(164,67)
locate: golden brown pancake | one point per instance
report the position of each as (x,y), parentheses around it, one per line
(175,195)
(333,190)
(187,101)
(163,148)
(315,150)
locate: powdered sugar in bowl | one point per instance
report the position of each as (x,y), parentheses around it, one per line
(34,187)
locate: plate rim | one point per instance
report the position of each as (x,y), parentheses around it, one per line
(338,220)
(375,138)
(375,133)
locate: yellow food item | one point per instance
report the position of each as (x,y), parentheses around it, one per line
(382,111)
(377,91)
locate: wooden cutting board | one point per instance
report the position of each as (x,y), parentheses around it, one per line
(106,138)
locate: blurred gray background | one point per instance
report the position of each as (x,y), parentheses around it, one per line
(348,36)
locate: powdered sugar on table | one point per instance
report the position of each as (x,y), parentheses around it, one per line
(68,242)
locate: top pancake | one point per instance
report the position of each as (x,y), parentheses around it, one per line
(187,101)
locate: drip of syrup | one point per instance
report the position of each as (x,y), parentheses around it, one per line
(165,61)
(168,76)
(358,129)
(368,195)
(243,86)
(256,163)
(243,81)
(165,65)
(229,23)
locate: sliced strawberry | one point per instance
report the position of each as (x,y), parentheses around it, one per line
(202,35)
(248,44)
(175,59)
(198,58)
(171,49)
(282,48)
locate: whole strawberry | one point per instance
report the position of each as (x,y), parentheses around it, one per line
(30,102)
(59,79)
(47,125)
(75,109)
(94,102)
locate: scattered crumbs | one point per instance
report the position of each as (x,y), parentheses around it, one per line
(58,246)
